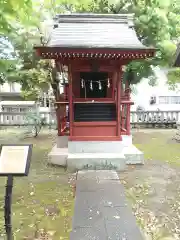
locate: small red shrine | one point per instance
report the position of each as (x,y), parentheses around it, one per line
(93,50)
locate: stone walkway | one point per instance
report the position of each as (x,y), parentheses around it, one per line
(101,211)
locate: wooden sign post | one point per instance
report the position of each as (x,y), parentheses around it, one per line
(14,161)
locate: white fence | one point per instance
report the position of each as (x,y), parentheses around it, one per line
(20,119)
(149,117)
(155,116)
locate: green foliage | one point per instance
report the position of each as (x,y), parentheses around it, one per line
(8,13)
(27,69)
(157,24)
(35,79)
(9,25)
(137,70)
(35,122)
(33,118)
(9,19)
(152,81)
(174,78)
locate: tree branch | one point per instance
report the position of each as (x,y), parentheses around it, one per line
(113,9)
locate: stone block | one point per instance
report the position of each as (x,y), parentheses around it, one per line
(95,146)
(62,141)
(58,156)
(121,224)
(133,155)
(127,140)
(98,174)
(96,161)
(89,233)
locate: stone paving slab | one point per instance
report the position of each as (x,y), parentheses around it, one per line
(101,211)
(90,212)
(97,174)
(88,218)
(120,222)
(111,198)
(96,185)
(122,232)
(94,233)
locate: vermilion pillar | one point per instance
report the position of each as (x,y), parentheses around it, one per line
(128,124)
(122,117)
(128,120)
(70,101)
(58,120)
(118,102)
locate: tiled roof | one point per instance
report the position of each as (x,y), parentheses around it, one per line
(94,31)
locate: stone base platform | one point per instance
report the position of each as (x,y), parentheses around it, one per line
(95,154)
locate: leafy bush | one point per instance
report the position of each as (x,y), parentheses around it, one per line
(35,122)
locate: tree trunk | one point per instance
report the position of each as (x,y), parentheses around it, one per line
(55,84)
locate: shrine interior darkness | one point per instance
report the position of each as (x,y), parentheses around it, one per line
(93,84)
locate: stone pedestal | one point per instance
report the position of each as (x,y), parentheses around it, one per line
(102,155)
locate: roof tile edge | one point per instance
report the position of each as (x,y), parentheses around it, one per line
(94,18)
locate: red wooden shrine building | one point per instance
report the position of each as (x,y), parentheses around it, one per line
(94,48)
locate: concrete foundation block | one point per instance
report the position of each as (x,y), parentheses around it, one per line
(99,161)
(58,156)
(133,155)
(99,155)
(62,141)
(127,140)
(95,146)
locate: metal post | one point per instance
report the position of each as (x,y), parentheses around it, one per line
(7,207)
